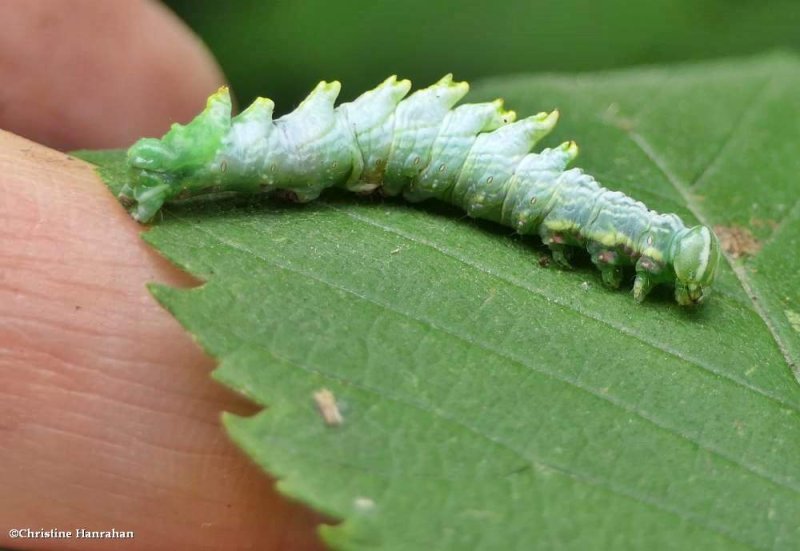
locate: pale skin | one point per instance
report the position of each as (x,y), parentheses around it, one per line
(107,415)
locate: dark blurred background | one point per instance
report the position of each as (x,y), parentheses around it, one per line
(281,48)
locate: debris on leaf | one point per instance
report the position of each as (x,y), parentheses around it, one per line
(737,241)
(326,403)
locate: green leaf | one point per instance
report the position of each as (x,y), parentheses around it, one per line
(490,402)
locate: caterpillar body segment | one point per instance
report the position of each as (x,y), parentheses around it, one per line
(421,146)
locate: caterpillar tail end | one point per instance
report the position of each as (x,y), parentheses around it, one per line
(157,166)
(145,199)
(148,187)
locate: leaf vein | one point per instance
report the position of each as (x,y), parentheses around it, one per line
(743,120)
(738,269)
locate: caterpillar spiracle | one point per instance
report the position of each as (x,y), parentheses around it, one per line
(475,156)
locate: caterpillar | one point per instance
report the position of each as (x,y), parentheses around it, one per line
(476,156)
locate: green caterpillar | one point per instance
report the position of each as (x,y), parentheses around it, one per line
(475,156)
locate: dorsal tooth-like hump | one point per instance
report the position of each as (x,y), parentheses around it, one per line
(457,134)
(371,119)
(216,115)
(471,119)
(312,150)
(417,122)
(247,146)
(186,145)
(323,96)
(570,150)
(549,160)
(531,188)
(517,138)
(428,106)
(369,110)
(493,159)
(260,110)
(435,100)
(313,117)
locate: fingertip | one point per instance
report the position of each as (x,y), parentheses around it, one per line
(94,75)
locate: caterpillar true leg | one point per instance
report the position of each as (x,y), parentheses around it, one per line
(642,286)
(562,255)
(559,246)
(609,262)
(475,156)
(649,272)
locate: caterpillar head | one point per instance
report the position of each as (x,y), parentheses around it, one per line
(160,167)
(695,256)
